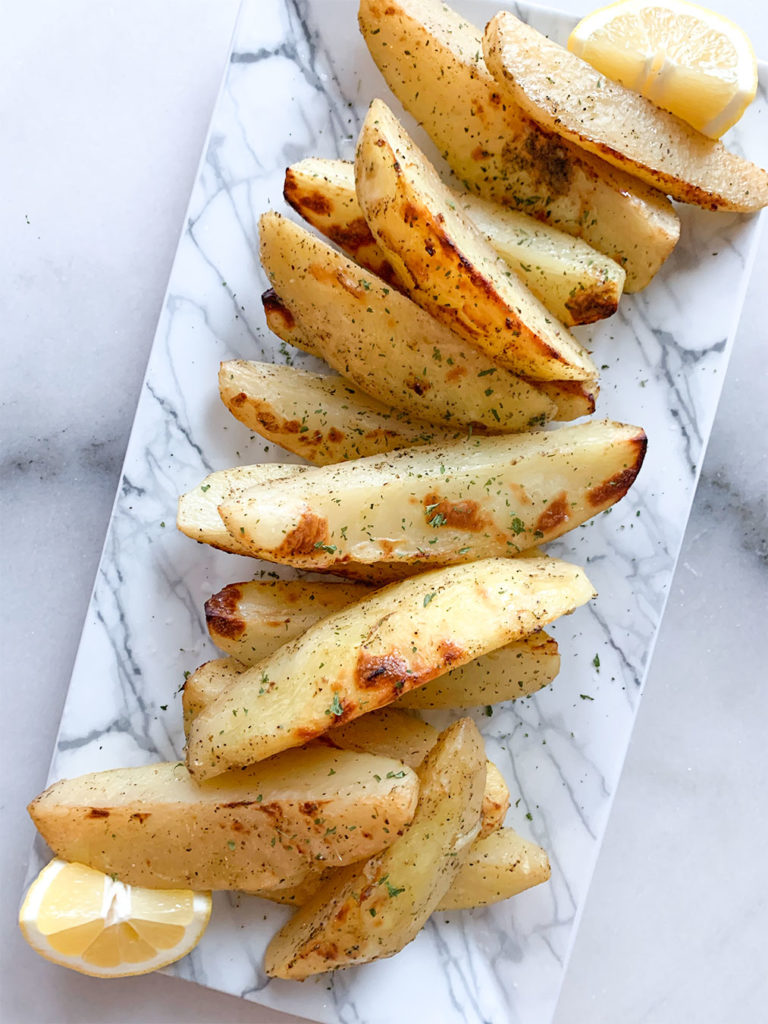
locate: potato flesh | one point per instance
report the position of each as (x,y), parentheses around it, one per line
(374,909)
(365,656)
(567,95)
(446,264)
(572,398)
(432,59)
(250,620)
(577,284)
(476,498)
(386,344)
(198,516)
(154,826)
(387,732)
(325,419)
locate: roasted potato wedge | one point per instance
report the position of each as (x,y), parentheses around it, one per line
(206,683)
(265,826)
(396,734)
(515,670)
(566,95)
(199,519)
(572,398)
(499,866)
(365,656)
(198,515)
(477,498)
(387,732)
(386,344)
(576,283)
(250,620)
(325,419)
(323,193)
(432,59)
(446,264)
(374,909)
(281,322)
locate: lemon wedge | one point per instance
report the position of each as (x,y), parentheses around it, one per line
(83,919)
(683,57)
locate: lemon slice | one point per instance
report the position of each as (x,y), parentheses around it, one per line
(83,919)
(684,58)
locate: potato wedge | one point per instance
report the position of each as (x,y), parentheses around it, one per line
(576,283)
(250,620)
(325,419)
(281,322)
(198,515)
(387,732)
(477,498)
(515,670)
(387,345)
(155,826)
(572,398)
(396,734)
(365,656)
(566,95)
(374,909)
(205,684)
(432,59)
(499,866)
(323,193)
(446,264)
(198,518)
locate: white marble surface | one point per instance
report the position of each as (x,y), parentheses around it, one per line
(646,952)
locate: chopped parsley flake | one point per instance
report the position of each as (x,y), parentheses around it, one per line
(335,709)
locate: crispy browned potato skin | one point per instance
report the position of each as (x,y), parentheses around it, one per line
(374,909)
(565,94)
(432,60)
(281,321)
(448,266)
(336,212)
(577,284)
(572,398)
(154,826)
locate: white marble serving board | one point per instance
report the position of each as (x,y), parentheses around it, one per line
(297,84)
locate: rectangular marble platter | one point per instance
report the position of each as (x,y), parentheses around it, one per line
(297,84)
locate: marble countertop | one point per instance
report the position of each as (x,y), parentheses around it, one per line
(105,109)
